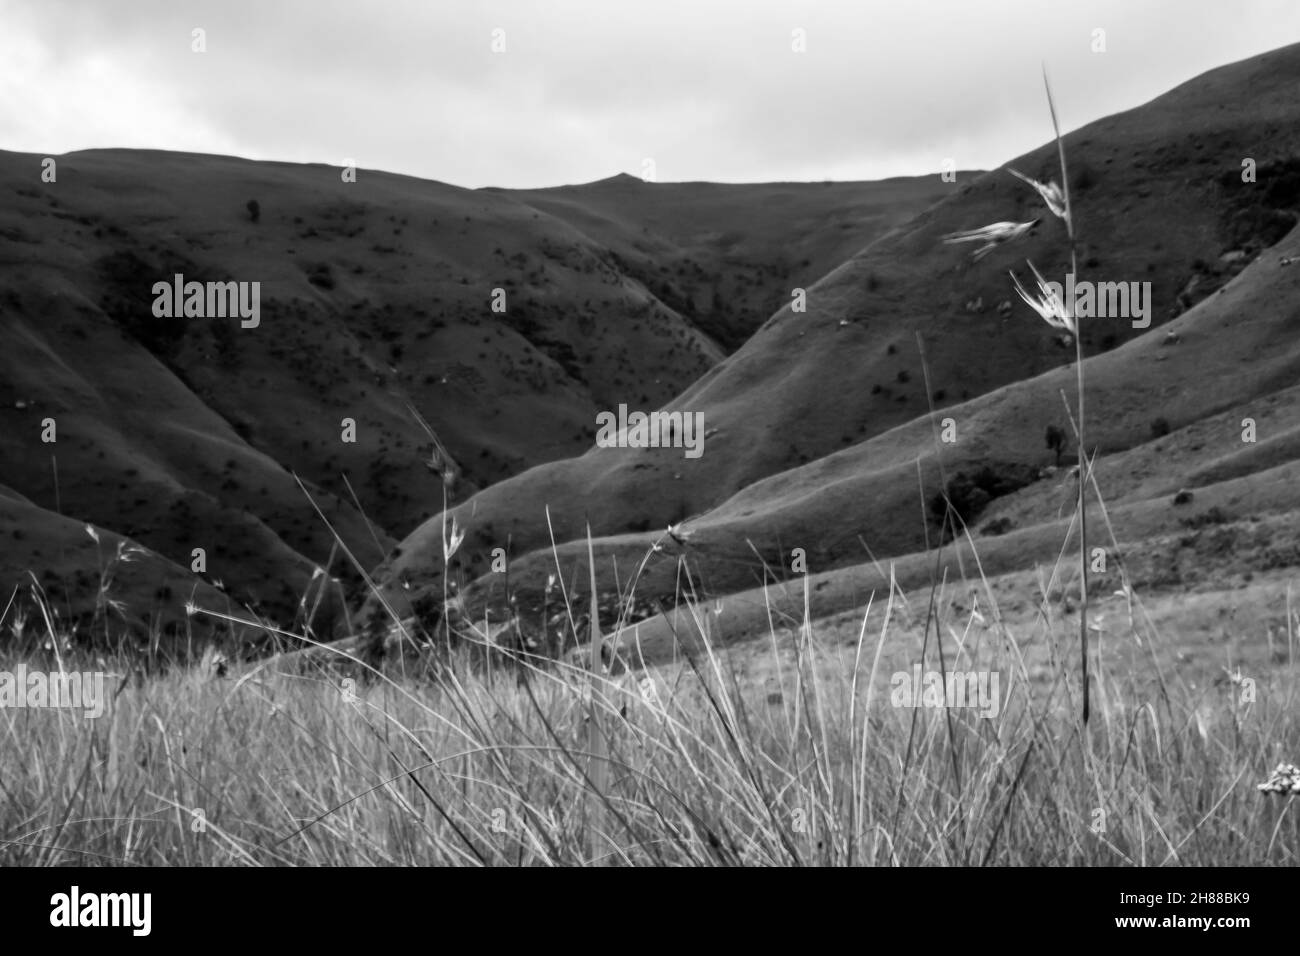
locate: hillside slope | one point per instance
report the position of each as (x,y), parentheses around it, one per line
(375,298)
(764,239)
(820,418)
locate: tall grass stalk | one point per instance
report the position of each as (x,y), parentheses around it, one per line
(597,748)
(691,763)
(1081,444)
(712,766)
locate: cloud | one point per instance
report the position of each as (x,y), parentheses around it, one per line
(586,89)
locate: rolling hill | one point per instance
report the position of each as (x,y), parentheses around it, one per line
(376,299)
(820,432)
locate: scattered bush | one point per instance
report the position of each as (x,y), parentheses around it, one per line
(321,276)
(970,493)
(1056,441)
(997,526)
(1215,515)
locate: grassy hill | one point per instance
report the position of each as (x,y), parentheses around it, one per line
(821,436)
(376,296)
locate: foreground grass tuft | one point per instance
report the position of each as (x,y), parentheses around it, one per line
(686,764)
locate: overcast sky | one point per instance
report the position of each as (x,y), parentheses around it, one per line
(584,89)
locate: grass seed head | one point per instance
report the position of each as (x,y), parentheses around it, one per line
(1046,303)
(992,235)
(1051,193)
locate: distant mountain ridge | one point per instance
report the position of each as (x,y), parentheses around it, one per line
(376,296)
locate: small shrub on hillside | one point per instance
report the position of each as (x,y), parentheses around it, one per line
(1212,516)
(997,526)
(1056,441)
(970,492)
(321,276)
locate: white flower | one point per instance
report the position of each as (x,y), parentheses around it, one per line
(1285,779)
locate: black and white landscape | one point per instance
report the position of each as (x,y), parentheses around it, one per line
(684,434)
